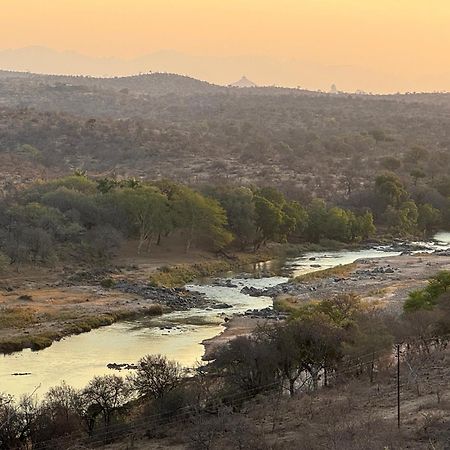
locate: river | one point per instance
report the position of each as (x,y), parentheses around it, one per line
(178,335)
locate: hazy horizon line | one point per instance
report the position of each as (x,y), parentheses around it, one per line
(195,72)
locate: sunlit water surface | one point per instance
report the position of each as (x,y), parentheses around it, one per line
(77,359)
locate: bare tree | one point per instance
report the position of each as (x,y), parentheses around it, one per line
(103,396)
(156,376)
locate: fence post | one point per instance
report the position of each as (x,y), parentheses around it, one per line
(398,385)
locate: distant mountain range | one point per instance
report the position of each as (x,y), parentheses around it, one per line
(264,71)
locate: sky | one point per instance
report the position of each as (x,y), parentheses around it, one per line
(394,43)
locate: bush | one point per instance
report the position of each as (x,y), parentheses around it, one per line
(5,261)
(107,283)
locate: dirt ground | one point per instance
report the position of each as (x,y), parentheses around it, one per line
(236,326)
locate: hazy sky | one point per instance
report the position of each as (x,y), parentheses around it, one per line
(409,39)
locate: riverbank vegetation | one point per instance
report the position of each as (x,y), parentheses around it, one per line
(325,347)
(81,219)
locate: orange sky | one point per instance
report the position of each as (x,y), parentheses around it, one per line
(406,38)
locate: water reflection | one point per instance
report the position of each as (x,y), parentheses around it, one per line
(178,335)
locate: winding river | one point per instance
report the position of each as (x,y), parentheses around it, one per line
(178,335)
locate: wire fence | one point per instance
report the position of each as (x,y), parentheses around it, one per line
(391,359)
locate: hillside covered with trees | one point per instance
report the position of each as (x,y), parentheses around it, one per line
(167,126)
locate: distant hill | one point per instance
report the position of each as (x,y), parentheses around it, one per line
(244,82)
(151,84)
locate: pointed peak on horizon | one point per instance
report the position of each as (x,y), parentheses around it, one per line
(243,82)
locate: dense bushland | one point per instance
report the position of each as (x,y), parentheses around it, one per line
(328,146)
(77,217)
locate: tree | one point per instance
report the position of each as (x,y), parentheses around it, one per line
(102,241)
(58,415)
(317,213)
(247,363)
(403,220)
(76,205)
(338,224)
(240,209)
(5,261)
(378,134)
(390,190)
(148,210)
(362,226)
(417,174)
(416,155)
(200,218)
(269,219)
(369,337)
(104,396)
(429,218)
(11,431)
(156,376)
(297,217)
(428,298)
(308,346)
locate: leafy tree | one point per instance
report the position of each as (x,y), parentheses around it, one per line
(378,134)
(102,241)
(148,210)
(338,224)
(370,336)
(106,185)
(269,219)
(362,227)
(429,297)
(390,190)
(316,346)
(200,218)
(429,218)
(240,209)
(317,213)
(272,195)
(81,184)
(403,220)
(416,155)
(74,204)
(296,219)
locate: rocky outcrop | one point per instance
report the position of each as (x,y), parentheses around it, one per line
(174,298)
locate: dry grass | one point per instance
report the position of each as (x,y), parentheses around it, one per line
(181,274)
(286,304)
(16,317)
(339,271)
